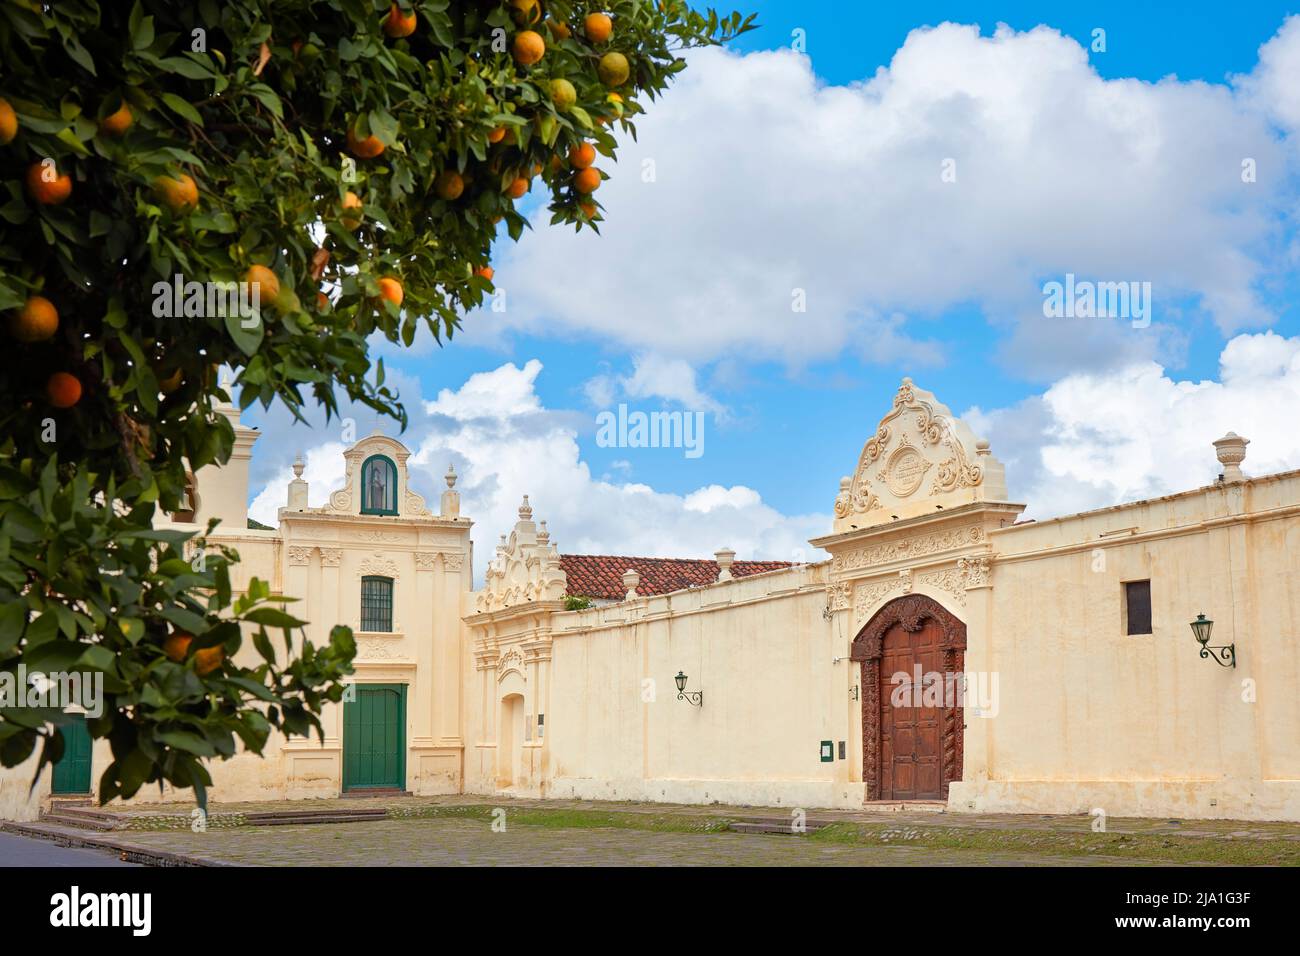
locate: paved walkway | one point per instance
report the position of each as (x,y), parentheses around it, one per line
(453,842)
(179,814)
(457,830)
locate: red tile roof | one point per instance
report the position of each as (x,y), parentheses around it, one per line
(601,575)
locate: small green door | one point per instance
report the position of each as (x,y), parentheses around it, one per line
(72,772)
(374,737)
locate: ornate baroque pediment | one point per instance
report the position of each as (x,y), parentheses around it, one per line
(526,568)
(920,460)
(347,500)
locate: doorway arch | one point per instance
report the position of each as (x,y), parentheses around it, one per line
(510,741)
(910,752)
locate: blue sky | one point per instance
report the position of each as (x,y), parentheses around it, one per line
(820,170)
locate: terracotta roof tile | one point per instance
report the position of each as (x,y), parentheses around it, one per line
(601,575)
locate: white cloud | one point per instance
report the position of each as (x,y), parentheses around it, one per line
(768,181)
(654,376)
(505,444)
(323,470)
(1095,439)
(503,455)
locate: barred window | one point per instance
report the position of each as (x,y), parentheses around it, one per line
(376,604)
(1137,607)
(378,486)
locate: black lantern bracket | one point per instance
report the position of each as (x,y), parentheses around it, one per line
(694,698)
(1225,655)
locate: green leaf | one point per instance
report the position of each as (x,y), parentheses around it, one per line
(247,333)
(182,108)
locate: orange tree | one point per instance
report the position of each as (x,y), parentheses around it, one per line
(367,150)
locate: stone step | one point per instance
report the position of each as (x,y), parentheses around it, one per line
(71,818)
(370,792)
(774,826)
(287,817)
(899,806)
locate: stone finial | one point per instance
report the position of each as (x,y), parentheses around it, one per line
(982,447)
(501,545)
(1231,452)
(630,580)
(298,487)
(451,497)
(724,557)
(543,536)
(525,510)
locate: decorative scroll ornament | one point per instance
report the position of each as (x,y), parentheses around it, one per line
(918,452)
(379,565)
(526,568)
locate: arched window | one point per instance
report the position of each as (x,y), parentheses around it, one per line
(376,604)
(378,486)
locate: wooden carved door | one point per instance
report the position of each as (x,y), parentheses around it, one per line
(911,733)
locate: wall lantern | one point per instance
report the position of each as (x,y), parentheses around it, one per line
(696,698)
(1223,655)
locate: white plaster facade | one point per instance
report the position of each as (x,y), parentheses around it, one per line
(508,693)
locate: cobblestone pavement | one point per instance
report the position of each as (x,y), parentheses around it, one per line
(455,842)
(1235,829)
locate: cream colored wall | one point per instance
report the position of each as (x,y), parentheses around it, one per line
(1093,718)
(1086,716)
(759,648)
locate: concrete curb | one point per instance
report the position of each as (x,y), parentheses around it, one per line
(129,852)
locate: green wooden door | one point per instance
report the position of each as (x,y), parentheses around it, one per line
(374,737)
(72,772)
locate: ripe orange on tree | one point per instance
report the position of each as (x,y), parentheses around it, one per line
(208,659)
(8,122)
(598,27)
(63,389)
(352,212)
(367,148)
(526,11)
(496,135)
(46,184)
(582,155)
(589,208)
(587,180)
(264,281)
(397,25)
(117,122)
(528,48)
(390,289)
(177,645)
(449,185)
(36,321)
(485,271)
(179,194)
(517,188)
